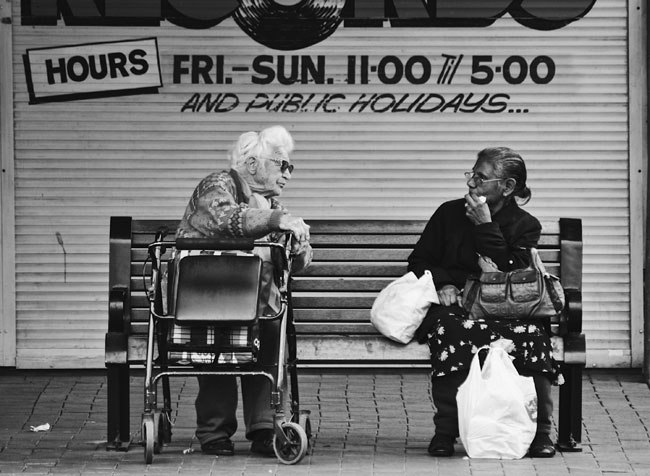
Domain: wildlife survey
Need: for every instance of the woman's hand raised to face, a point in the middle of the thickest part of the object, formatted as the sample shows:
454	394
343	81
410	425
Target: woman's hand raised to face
477	210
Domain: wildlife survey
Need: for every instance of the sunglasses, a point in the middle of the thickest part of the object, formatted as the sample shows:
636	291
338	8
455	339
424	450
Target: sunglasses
284	165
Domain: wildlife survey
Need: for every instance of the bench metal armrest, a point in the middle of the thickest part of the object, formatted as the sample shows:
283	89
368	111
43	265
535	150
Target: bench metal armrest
116	341
573	310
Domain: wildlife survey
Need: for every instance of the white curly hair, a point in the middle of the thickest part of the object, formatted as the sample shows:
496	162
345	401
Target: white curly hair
274	140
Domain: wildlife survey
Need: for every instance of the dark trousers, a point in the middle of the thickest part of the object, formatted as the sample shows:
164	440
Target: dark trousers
444	390
216	402
216	406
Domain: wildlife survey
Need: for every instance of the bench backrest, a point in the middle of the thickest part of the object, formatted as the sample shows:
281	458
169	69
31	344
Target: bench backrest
353	261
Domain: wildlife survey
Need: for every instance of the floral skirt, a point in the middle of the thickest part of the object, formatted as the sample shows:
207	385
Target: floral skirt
455	340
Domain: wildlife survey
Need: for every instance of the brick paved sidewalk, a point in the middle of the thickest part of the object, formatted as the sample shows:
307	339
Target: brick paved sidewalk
363	424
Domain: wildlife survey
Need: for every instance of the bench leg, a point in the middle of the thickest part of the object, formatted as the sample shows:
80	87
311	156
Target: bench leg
119	435
570	409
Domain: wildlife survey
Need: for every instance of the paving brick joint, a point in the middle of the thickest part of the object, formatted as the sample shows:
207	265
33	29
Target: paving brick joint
363	424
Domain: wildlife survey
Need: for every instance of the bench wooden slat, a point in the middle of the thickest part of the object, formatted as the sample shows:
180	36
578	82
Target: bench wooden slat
330	352
401	255
354	268
139	300
140	255
355	254
334	226
378	227
370	241
330	314
360	268
346	328
150	226
334	283
340	284
343	349
406	241
139	315
316	300
547	241
320	254
335	349
391	241
142	240
348	226
138	268
137	285
324	300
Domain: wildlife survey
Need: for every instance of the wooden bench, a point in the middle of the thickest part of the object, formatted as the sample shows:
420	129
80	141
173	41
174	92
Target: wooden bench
353	261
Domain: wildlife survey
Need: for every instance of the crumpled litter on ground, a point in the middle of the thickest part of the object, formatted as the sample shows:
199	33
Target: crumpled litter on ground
43	427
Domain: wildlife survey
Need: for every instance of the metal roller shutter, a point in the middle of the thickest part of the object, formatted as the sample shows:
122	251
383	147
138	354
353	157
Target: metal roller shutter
79	162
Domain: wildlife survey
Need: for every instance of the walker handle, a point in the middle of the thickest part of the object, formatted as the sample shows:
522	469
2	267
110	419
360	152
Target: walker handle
214	243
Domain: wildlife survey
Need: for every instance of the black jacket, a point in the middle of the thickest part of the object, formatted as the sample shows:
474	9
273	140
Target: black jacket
450	244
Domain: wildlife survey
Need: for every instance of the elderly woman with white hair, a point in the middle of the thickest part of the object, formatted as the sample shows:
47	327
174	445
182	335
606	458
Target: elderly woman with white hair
240	202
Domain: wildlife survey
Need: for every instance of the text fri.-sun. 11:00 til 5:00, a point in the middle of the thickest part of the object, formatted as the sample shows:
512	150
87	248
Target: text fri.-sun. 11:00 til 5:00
362	69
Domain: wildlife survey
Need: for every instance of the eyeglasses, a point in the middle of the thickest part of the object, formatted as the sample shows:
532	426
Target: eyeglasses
284	165
479	180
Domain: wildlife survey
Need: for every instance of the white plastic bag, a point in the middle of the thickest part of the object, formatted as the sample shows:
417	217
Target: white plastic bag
400	307
497	409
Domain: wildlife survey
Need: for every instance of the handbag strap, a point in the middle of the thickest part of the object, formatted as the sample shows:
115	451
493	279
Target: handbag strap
552	292
536	261
470	298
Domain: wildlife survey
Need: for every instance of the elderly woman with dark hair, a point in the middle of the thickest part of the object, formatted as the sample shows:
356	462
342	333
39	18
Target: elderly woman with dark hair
489	223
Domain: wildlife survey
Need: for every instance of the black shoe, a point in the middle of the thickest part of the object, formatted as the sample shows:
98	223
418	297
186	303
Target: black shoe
442	445
541	447
220	447
263	443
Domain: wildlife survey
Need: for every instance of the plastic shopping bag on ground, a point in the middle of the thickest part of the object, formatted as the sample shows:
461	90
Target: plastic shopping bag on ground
497	408
400	307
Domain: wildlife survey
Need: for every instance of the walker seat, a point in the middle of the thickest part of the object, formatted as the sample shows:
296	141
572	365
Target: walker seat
216	289
214	304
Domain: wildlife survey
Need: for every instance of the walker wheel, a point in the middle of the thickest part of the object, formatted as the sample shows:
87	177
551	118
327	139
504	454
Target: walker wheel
295	448
148	437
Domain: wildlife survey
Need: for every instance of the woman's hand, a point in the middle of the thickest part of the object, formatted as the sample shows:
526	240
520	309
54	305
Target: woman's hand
297	226
449	295
477	210
298	247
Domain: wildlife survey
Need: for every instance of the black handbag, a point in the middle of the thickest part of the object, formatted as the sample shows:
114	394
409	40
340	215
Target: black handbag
526	293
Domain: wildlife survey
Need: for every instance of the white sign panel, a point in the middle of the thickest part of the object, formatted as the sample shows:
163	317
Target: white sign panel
93	70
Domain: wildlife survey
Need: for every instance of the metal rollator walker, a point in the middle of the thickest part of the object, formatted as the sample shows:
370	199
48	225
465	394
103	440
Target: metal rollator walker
204	320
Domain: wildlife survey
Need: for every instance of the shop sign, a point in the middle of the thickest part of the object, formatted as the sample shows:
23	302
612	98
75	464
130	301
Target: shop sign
297	24
130	67
92	70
